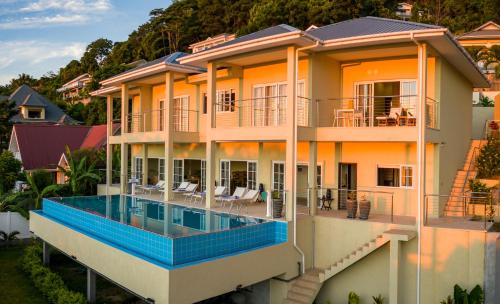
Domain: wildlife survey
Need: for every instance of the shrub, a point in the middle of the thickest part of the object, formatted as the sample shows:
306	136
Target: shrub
10	169
50	284
353	298
488	160
460	296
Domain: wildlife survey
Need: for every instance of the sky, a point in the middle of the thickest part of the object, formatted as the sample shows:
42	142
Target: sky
40	36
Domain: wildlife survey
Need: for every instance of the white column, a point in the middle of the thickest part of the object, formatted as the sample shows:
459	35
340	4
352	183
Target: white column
45	253
109	133
422	94
124	146
394	258
291	144
210	123
169	135
313	182
125	109
145	166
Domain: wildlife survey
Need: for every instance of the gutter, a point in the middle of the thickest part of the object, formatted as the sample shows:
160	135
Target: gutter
295	245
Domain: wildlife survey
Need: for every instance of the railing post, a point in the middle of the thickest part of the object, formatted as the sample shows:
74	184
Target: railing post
392	208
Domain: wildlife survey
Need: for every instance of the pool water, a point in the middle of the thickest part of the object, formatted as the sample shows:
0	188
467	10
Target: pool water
158	217
167	234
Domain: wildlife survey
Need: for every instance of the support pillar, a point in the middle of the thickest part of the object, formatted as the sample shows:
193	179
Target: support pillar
291	135
109	147
91	290
395	257
210	123
210	173
124	168
46	253
169	136
145	166
313	182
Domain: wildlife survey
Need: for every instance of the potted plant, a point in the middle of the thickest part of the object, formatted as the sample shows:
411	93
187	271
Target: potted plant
364	208
277	197
351	205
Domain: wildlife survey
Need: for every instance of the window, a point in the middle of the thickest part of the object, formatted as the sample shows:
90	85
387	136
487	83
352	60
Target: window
269	104
162	114
178	172
225	172
278	176
226	100
138	169
395	176
34	114
205	101
161	169
181	114
252	175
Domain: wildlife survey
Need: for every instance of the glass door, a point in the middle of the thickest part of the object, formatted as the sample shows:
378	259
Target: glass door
225	175
138	169
252	175
203	175
178	172
181	117
347	183
363	103
278	176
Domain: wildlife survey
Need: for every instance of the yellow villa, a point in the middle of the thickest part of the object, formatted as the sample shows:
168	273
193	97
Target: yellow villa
369	112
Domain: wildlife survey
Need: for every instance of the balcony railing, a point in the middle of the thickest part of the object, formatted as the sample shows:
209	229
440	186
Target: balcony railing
374	111
261	112
184	120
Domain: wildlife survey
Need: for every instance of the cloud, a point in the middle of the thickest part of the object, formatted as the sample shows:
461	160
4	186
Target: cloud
34	22
78	6
34	56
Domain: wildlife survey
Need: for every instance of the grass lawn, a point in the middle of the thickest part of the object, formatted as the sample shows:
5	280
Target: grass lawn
16	286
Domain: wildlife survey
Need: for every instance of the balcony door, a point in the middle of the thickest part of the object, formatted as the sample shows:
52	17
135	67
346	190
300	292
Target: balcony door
278	176
347	183
269	104
181	114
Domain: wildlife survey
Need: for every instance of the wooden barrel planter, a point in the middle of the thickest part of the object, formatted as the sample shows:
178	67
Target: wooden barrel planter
364	209
352	208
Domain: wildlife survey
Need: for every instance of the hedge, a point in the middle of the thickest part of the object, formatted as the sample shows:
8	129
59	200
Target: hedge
49	283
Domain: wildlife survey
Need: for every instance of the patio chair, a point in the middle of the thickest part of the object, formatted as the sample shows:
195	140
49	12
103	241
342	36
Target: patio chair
238	193
157	187
219	190
189	191
389	120
249	197
182	187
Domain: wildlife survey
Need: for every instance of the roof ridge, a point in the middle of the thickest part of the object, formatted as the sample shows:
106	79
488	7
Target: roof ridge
401	21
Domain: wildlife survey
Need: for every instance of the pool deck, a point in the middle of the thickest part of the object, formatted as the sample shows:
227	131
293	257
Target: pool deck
258	210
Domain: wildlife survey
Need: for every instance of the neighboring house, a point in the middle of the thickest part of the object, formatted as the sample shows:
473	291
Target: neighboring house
366	109
72	90
211	42
39	147
35	108
94	140
404	10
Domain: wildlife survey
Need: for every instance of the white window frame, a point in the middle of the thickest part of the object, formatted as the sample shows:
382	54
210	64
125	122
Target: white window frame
223	104
255	173
161	171
181	113
203	178
138	173
227	179
400	168
272	174
279	103
177	182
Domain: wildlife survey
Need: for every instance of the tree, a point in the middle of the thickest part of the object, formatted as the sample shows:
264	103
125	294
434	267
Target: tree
10	168
81	173
95	54
7	111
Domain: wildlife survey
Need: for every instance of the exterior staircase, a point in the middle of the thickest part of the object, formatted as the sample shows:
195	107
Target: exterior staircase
455	205
305	288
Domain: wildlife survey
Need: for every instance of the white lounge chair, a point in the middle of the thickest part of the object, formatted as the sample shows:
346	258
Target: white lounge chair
189	191
219	190
182	187
249	197
238	193
157	187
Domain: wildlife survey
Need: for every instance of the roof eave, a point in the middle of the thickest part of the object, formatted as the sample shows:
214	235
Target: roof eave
198	59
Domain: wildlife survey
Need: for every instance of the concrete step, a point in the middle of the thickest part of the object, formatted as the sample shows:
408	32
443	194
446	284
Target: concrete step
299	297
306	284
290	301
303	290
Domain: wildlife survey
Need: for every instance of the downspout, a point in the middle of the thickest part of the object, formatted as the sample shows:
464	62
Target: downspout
294	205
421	158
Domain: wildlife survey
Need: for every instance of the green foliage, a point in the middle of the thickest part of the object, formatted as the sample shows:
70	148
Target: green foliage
460	296
448	300
488	160
485	101
378	299
353	298
10	168
48	282
82	175
8	237
475	185
7	111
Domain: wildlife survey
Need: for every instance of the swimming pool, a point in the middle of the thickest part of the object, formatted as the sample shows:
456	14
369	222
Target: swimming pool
164	233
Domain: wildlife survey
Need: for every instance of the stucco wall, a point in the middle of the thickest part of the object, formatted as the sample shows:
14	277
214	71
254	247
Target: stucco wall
479	117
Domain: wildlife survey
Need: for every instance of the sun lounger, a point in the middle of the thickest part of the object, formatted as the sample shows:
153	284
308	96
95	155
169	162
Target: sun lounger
159	185
249	197
189	191
219	190
238	193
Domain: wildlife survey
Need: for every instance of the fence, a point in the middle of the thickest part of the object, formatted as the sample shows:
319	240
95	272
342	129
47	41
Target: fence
13	221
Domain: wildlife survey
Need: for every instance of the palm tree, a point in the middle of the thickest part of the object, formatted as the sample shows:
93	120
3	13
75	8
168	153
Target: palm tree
80	175
7	237
9	202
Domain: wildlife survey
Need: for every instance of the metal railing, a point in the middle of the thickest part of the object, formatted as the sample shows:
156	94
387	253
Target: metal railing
183	120
382	202
374	111
478	206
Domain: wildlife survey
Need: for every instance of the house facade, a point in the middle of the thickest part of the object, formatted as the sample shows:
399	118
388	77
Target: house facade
72	90
368	109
